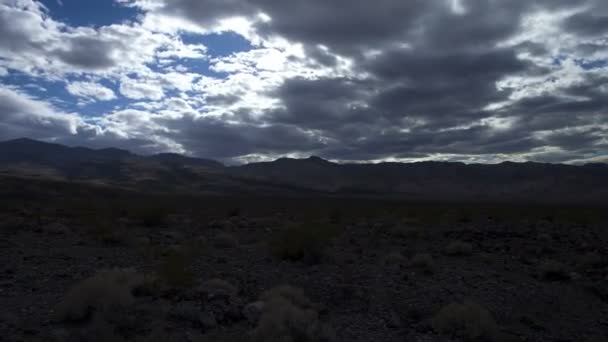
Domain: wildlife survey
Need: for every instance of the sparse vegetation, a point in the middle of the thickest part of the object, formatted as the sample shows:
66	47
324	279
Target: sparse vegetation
175	269
408	232
466	320
395	258
104	293
225	240
423	262
303	241
553	270
217	286
288	316
591	260
459	248
370	278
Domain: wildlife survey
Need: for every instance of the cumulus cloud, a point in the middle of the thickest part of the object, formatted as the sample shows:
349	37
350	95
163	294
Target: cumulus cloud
470	80
141	89
90	90
22	115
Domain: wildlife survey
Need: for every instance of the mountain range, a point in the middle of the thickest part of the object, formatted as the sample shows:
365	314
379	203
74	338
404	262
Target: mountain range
443	181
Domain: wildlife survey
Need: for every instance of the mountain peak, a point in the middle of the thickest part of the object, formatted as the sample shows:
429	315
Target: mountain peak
317	159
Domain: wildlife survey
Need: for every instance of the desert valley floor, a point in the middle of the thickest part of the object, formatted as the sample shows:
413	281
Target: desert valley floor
247	269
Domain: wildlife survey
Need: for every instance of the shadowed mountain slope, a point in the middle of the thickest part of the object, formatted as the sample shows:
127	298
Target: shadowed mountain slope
425	180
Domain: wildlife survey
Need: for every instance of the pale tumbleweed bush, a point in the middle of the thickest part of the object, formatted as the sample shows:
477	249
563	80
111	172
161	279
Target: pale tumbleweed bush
105	292
289	316
466	320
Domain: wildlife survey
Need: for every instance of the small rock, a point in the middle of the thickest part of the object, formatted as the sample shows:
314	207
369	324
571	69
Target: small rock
253	311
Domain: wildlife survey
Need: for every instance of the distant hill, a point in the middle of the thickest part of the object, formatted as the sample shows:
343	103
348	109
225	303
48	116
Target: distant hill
424	180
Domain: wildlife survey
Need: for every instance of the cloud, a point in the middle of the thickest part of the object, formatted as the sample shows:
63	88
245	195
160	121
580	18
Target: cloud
90	90
88	53
141	89
470	80
22	115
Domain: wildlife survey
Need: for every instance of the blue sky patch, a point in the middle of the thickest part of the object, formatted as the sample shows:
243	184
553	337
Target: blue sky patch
592	64
219	44
89	12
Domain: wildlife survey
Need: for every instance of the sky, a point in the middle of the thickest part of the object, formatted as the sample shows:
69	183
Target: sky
475	81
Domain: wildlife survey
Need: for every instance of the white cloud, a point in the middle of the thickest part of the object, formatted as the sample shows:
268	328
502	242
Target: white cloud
23	115
141	89
90	90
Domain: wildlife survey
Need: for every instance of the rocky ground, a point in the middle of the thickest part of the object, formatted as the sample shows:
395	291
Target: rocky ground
180	277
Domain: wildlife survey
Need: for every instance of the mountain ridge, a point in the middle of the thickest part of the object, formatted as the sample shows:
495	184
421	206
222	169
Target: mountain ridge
420	180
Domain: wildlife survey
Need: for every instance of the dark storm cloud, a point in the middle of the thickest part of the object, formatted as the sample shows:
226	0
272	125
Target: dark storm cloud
588	24
215	138
424	75
322	103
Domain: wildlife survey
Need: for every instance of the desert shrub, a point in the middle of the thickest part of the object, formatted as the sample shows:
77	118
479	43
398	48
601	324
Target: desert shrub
302	241
217	286
289	316
395	258
423	262
465	320
459	248
406	232
107	231
234	212
591	260
552	270
104	293
225	240
150	214
175	269
335	216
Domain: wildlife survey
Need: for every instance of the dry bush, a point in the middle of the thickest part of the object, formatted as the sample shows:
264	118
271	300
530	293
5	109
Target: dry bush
150	213
217	286
288	316
591	260
423	262
552	270
406	232
466	320
225	240
395	258
459	248
104	293
303	241
175	269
